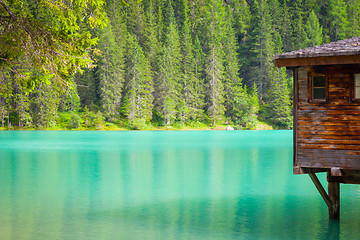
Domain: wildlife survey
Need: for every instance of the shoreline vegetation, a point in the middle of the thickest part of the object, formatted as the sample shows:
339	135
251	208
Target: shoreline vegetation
150	128
88	121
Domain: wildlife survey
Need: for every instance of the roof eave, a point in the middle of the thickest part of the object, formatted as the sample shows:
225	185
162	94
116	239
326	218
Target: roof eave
316	61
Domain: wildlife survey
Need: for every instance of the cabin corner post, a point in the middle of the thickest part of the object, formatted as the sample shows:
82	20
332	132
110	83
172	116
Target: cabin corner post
334	194
295	115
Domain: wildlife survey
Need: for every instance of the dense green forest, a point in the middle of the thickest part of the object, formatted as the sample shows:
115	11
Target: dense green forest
177	63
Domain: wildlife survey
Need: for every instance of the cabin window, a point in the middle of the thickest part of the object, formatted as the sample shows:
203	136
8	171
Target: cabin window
357	86
318	88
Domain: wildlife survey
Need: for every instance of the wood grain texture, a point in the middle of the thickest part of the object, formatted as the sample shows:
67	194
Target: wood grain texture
327	133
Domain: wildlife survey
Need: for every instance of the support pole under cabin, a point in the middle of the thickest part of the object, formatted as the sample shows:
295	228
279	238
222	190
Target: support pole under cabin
334	195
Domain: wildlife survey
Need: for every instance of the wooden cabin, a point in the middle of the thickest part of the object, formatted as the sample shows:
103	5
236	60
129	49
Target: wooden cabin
327	114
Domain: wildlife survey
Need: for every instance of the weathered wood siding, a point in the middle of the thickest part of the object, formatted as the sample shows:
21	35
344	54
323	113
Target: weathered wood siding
328	133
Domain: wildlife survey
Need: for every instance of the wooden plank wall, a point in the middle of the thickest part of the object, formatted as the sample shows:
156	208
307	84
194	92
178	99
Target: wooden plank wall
328	134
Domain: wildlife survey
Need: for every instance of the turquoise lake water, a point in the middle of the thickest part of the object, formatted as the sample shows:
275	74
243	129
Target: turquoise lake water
162	185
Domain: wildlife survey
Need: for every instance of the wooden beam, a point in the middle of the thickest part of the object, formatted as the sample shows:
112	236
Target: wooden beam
313	61
304	170
347	177
321	190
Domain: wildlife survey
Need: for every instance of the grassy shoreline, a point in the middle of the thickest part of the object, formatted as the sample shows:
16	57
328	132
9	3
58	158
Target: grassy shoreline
114	127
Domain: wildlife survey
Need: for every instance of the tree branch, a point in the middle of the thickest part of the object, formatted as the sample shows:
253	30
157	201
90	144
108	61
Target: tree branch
7	9
4	17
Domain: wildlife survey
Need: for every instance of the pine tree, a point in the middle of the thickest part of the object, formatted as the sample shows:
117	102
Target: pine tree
138	99
285	29
313	31
199	95
110	74
278	44
276	15
235	96
166	86
160	21
279	106
6	94
115	10
69	101
135	20
44	104
197	11
152	42
167	82
297	24
261	52
214	63
278	98
190	106
22	107
242	18
250	115
339	22
4	110
311	6
87	89
354	16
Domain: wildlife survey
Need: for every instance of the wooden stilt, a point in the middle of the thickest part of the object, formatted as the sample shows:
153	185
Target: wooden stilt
332	198
334	195
320	188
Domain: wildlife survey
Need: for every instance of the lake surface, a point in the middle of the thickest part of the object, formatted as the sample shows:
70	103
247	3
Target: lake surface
162	185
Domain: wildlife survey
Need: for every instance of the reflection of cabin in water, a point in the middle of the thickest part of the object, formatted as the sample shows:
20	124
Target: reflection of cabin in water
327	114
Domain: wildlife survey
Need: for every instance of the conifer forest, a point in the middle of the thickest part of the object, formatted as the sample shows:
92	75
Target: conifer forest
164	63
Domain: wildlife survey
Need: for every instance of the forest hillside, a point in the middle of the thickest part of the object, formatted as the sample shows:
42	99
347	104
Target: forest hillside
182	63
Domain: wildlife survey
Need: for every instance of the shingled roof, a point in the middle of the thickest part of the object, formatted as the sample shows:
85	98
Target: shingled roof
317	55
